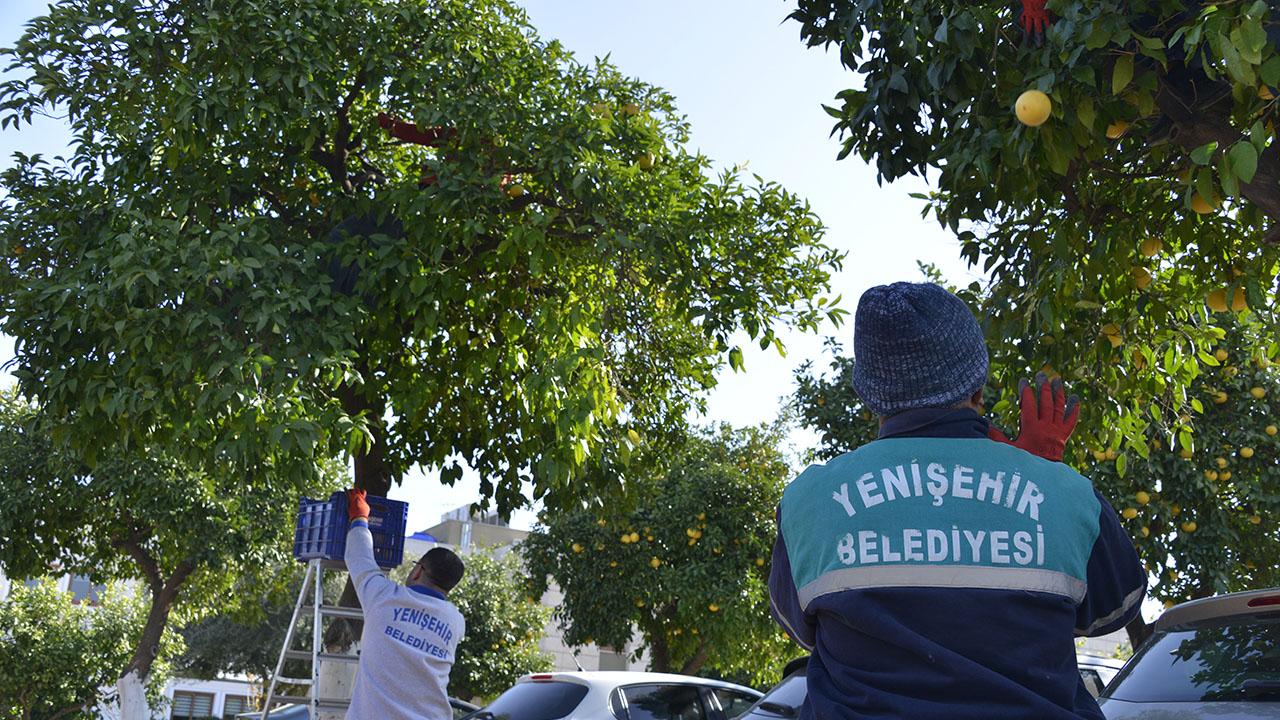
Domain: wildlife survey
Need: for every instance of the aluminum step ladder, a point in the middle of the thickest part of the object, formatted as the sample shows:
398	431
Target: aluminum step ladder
313	580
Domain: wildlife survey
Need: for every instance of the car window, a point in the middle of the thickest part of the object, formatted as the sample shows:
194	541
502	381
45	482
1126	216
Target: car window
1092	681
1235	659
664	702
733	703
787	695
535	701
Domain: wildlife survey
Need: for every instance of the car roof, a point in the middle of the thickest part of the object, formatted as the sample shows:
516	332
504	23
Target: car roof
616	678
1220	606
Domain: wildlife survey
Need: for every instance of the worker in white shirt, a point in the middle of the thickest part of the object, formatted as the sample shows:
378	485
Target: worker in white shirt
411	631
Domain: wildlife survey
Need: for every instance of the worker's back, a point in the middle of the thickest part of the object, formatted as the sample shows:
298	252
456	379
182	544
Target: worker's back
946	577
408	646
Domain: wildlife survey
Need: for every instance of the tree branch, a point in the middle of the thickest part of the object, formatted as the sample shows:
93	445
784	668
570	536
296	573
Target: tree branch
695	663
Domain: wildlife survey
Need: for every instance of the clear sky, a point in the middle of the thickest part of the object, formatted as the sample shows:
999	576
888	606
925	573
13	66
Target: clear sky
753	94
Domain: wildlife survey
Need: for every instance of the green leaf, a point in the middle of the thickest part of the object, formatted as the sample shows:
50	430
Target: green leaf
1121	74
1244	161
1204	154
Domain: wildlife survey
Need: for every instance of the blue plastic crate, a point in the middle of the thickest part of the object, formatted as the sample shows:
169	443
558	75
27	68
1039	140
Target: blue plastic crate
321	531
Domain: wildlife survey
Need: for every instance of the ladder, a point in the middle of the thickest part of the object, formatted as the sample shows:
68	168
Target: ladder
313	580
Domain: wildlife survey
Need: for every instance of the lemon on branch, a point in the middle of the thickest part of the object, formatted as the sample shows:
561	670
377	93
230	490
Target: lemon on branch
1033	108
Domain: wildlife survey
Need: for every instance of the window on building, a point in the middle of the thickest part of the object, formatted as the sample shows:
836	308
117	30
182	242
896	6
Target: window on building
233	705
191	705
83	591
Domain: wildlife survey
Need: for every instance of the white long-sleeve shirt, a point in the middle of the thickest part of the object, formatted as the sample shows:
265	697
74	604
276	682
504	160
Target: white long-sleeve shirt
408	646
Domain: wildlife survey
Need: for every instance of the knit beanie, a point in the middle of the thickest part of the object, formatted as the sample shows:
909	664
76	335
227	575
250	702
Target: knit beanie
916	345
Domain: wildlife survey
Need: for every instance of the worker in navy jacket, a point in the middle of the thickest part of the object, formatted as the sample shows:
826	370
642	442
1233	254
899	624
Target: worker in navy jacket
936	572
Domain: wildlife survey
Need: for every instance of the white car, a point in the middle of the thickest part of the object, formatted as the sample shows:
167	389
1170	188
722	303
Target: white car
1213	658
619	695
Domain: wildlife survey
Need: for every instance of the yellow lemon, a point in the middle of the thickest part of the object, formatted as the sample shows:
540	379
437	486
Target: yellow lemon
1272	430
702	516
646	161
1142	496
1221	355
1033	108
1239	303
1112	454
1117	129
713	607
1255	519
1129	513
1219	397
1151	247
577	548
759	562
634	437
1222	462
1146	531
1217	301
1141	277
1175	510
639	603
626	539
1201	206
1099	455
613	563
1210	475
515	191
1225	475
654	563
1258	392
1186	453
1189	526
1246	452
1110	329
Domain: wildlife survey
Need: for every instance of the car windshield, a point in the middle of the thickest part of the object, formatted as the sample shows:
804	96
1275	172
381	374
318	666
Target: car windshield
786	698
534	701
1233	659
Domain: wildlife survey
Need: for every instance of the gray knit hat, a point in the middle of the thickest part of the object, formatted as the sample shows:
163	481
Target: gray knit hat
915	345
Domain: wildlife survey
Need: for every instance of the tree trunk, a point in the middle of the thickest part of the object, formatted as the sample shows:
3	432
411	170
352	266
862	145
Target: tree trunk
695	663
659	652
132	682
132	690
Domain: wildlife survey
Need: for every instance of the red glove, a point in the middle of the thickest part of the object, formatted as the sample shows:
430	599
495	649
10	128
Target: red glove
357	507
1047	422
1035	18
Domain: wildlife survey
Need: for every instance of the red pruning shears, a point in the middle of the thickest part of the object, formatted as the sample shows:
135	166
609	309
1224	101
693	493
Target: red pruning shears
1035	19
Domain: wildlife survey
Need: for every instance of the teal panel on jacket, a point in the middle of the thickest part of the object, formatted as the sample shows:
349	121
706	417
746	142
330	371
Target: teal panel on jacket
939	512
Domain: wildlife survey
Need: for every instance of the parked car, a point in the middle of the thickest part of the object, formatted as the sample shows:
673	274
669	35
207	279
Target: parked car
1218	657
300	712
1097	671
608	695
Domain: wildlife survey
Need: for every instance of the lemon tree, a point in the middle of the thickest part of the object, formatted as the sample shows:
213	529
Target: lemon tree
1202	510
558	268
685	561
1123	230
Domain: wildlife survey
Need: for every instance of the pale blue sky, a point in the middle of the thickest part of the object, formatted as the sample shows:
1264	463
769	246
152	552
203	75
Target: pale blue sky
753	94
